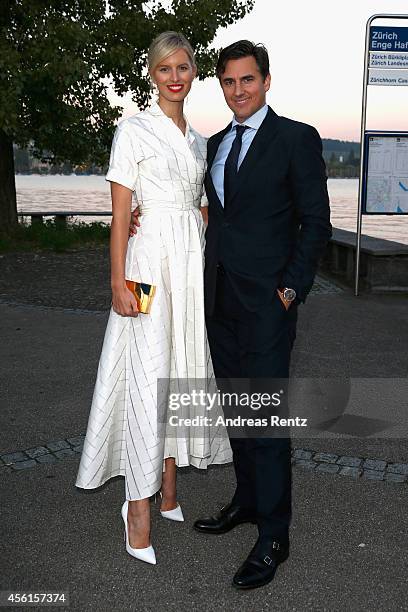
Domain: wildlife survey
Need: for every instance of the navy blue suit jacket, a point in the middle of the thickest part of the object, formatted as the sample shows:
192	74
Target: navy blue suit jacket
277	222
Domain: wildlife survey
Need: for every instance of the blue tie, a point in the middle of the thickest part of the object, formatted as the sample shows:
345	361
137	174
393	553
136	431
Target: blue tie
231	164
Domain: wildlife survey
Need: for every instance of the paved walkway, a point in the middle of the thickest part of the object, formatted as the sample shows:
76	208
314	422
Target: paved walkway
349	536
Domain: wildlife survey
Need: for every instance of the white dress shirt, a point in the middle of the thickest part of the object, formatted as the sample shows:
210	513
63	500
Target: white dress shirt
253	123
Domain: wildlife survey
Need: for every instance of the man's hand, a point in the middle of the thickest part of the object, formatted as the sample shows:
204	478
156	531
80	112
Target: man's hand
286	303
134	222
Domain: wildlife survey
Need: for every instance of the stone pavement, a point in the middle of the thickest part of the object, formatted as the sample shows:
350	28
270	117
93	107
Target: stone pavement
77	279
349	536
348	550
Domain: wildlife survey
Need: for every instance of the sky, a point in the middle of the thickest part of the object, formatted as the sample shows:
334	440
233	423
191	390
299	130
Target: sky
316	52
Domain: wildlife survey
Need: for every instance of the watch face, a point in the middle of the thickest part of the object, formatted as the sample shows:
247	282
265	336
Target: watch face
289	294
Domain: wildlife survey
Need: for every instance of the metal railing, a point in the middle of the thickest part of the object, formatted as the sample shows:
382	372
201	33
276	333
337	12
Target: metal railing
61	216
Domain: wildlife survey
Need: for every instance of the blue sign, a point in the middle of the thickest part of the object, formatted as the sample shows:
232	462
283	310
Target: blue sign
383	38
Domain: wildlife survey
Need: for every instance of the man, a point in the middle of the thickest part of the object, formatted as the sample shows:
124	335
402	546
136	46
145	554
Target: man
269	222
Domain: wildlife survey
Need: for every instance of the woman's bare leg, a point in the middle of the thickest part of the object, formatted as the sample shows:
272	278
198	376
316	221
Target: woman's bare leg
168	488
139	523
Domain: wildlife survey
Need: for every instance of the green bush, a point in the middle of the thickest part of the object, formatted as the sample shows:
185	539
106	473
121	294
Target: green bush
52	236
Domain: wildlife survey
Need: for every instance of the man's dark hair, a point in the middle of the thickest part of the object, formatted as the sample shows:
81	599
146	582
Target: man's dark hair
244	48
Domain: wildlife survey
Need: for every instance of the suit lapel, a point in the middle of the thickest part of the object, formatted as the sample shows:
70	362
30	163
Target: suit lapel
262	139
211	153
214	144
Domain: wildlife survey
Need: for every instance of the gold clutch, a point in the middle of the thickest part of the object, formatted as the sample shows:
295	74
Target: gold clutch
143	293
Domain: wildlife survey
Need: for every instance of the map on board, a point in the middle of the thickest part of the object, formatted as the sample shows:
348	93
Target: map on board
387	175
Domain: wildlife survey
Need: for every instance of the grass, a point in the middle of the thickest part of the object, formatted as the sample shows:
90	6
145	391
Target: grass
51	236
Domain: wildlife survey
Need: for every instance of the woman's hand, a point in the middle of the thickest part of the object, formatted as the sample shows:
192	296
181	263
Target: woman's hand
124	302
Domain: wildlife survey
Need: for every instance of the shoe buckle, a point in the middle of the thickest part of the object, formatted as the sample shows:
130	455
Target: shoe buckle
268	560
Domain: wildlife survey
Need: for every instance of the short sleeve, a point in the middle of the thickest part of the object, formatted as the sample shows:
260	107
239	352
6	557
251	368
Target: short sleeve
204	199
124	157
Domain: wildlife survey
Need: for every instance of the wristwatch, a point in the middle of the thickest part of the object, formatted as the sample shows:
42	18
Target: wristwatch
288	294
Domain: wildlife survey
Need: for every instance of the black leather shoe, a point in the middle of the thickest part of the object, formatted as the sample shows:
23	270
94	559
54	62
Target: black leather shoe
229	517
261	564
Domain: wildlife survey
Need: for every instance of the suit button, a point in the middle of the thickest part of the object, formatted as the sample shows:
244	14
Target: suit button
226	224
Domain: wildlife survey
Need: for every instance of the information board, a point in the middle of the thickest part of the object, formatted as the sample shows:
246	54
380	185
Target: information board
385	181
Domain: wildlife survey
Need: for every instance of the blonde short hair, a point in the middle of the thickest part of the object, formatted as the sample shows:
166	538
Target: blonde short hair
164	45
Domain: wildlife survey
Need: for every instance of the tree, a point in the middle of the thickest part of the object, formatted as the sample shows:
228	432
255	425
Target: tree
21	160
351	158
57	59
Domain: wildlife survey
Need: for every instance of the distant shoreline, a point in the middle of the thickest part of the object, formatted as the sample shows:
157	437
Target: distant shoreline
80	174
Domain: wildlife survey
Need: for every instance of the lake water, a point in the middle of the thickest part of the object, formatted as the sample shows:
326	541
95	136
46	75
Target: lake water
81	193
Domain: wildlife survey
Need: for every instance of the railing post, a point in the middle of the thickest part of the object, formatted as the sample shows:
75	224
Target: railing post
37	219
61	221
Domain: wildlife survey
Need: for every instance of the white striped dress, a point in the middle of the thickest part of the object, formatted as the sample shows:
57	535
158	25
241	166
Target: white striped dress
165	169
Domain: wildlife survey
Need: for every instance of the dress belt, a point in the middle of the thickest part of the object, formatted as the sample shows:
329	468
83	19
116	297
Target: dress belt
159	208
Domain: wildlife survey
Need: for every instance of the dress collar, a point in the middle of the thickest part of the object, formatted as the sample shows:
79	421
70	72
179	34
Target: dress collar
155	110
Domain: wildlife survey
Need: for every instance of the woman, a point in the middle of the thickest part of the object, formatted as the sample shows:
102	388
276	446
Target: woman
159	157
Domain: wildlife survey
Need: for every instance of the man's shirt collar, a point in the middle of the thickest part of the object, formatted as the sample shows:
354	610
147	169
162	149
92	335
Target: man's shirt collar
255	120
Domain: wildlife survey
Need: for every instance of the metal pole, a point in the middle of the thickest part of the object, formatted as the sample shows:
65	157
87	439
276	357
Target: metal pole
362	148
362	139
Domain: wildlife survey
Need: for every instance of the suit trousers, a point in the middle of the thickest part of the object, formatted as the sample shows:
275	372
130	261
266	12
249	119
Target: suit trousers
255	348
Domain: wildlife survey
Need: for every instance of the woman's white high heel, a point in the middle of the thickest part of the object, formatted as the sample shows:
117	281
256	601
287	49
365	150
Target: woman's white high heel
144	554
174	515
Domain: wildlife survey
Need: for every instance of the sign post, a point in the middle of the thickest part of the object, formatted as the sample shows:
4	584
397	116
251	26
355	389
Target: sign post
385	64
